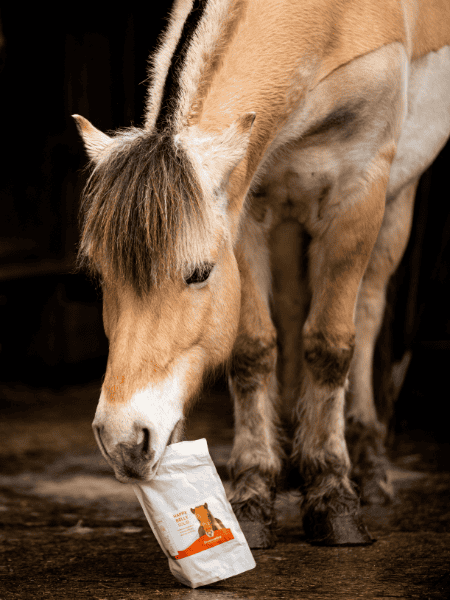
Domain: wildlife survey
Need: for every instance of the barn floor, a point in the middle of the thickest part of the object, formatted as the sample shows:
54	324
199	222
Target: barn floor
69	530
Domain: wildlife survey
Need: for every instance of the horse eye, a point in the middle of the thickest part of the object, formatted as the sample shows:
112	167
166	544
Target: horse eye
200	274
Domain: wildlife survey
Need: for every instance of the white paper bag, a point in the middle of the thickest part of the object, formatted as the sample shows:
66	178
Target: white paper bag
188	511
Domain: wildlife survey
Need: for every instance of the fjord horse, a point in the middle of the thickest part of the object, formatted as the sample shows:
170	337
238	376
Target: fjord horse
208	523
283	142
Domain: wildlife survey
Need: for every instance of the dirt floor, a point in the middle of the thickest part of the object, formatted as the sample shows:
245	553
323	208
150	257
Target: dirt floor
70	530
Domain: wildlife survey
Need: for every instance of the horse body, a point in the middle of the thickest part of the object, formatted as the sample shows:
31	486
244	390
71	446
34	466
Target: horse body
351	103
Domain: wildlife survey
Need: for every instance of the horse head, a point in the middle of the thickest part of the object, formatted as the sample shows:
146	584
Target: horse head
158	231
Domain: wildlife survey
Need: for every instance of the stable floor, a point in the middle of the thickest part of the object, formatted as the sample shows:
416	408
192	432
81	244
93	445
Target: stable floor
69	530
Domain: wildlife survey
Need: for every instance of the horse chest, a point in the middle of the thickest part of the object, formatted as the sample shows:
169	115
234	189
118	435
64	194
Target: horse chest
329	143
301	187
328	147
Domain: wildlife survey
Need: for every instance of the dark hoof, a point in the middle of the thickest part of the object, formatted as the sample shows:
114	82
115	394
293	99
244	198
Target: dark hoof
257	520
325	529
376	489
257	534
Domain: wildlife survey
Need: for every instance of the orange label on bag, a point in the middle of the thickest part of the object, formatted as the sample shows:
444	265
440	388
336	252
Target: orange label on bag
204	542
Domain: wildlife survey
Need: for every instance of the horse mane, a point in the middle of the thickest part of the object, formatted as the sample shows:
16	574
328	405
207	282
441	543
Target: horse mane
190	53
143	214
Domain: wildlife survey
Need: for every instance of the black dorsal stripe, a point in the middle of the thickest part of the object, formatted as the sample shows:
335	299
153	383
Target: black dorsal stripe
172	84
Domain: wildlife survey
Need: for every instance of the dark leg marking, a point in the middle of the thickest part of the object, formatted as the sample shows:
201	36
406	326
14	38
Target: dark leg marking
250	362
329	365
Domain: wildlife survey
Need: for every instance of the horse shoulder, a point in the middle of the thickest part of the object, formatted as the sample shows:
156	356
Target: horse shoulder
427	23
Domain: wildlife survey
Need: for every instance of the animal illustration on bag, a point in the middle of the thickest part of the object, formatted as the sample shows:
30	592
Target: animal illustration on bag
209	523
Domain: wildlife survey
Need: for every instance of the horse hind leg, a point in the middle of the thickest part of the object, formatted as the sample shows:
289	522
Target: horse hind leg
364	432
256	457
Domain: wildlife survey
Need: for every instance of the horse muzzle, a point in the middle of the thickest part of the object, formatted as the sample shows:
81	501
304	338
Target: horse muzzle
132	460
137	457
133	435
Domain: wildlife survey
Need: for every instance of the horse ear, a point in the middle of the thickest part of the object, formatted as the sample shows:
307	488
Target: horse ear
232	145
218	154
94	140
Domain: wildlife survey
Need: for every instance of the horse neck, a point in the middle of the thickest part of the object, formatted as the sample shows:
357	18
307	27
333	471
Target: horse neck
277	51
264	56
265	68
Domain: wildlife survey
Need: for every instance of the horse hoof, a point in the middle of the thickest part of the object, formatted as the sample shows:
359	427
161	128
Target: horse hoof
258	535
257	520
376	490
325	529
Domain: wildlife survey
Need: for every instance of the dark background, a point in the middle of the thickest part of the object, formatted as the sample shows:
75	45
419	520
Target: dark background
93	62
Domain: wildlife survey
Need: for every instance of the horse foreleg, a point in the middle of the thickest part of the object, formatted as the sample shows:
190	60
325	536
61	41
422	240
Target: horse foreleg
365	434
256	458
339	253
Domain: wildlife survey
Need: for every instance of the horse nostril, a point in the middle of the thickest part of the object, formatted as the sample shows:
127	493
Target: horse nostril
140	449
129	458
145	444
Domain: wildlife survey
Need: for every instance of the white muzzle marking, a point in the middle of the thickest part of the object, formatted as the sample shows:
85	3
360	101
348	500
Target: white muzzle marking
132	436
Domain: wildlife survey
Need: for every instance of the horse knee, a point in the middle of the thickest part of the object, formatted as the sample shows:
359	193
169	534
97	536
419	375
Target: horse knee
253	361
328	362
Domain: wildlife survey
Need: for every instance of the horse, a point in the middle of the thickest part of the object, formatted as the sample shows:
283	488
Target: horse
252	223
208	523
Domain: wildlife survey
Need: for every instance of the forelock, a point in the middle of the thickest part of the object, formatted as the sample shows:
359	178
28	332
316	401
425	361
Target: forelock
144	216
